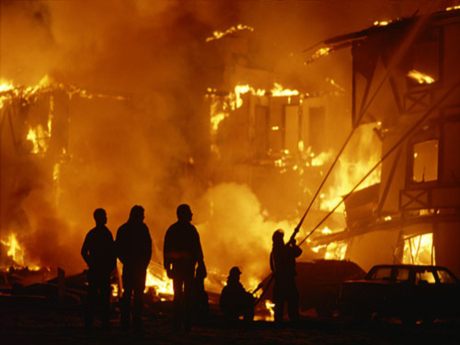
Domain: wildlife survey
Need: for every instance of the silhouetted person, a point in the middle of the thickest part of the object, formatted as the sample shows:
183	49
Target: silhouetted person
134	249
282	264
182	253
98	251
235	301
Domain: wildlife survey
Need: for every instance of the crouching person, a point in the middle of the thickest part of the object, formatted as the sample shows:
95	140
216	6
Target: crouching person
235	301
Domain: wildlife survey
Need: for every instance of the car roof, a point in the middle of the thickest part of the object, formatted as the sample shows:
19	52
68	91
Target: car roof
410	266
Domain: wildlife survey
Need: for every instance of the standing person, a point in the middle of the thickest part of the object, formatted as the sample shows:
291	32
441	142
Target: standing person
98	251
282	264
134	249
182	253
235	301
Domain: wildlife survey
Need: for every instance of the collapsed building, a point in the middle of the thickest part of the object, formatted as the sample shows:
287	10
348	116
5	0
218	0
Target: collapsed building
405	81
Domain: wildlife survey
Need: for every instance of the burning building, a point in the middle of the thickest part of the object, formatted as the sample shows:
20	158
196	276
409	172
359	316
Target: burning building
406	83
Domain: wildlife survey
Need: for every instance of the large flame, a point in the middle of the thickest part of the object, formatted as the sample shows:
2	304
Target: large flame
420	77
14	249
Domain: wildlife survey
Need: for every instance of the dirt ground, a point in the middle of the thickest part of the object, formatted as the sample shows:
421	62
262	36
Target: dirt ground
23	325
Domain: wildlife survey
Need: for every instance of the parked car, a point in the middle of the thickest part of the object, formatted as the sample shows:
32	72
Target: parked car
407	292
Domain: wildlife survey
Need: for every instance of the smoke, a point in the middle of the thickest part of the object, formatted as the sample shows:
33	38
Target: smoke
152	148
235	232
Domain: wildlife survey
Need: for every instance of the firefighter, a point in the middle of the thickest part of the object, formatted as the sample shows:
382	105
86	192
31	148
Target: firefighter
98	251
134	249
235	301
182	254
282	264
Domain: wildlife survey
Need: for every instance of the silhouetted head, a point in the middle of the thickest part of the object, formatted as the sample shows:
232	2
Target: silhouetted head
278	237
136	214
100	216
184	213
234	272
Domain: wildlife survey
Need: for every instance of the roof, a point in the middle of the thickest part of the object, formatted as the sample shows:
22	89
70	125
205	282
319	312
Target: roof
345	40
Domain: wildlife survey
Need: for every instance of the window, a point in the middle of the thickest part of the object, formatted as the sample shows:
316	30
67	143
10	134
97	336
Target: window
382	273
424	277
419	250
291	126
317	119
261	131
445	277
402	274
425	161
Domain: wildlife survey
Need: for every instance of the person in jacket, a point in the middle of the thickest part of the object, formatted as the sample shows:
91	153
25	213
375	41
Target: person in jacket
98	251
134	250
182	255
235	301
282	264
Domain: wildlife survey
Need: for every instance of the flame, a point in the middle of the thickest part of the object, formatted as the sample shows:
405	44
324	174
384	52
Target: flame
420	77
324	51
321	158
221	106
353	165
453	8
15	251
279	91
162	285
336	250
216	119
382	22
216	35
38	137
418	250
6	85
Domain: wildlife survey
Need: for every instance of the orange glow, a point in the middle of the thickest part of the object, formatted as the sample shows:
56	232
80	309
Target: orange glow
324	51
353	166
420	77
418	250
162	285
279	91
453	8
216	35
14	249
336	251
38	137
382	22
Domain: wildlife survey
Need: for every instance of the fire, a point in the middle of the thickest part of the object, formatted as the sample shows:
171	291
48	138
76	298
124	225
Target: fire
221	106
38	137
321	159
15	251
382	22
453	8
216	35
324	51
162	285
420	77
279	91
353	165
336	250
418	250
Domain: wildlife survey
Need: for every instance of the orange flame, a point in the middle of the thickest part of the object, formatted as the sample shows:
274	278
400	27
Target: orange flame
216	35
420	77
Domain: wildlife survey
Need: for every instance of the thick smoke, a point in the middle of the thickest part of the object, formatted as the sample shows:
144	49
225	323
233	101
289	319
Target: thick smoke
151	149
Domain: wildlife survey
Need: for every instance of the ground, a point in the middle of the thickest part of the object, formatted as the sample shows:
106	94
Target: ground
24	325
